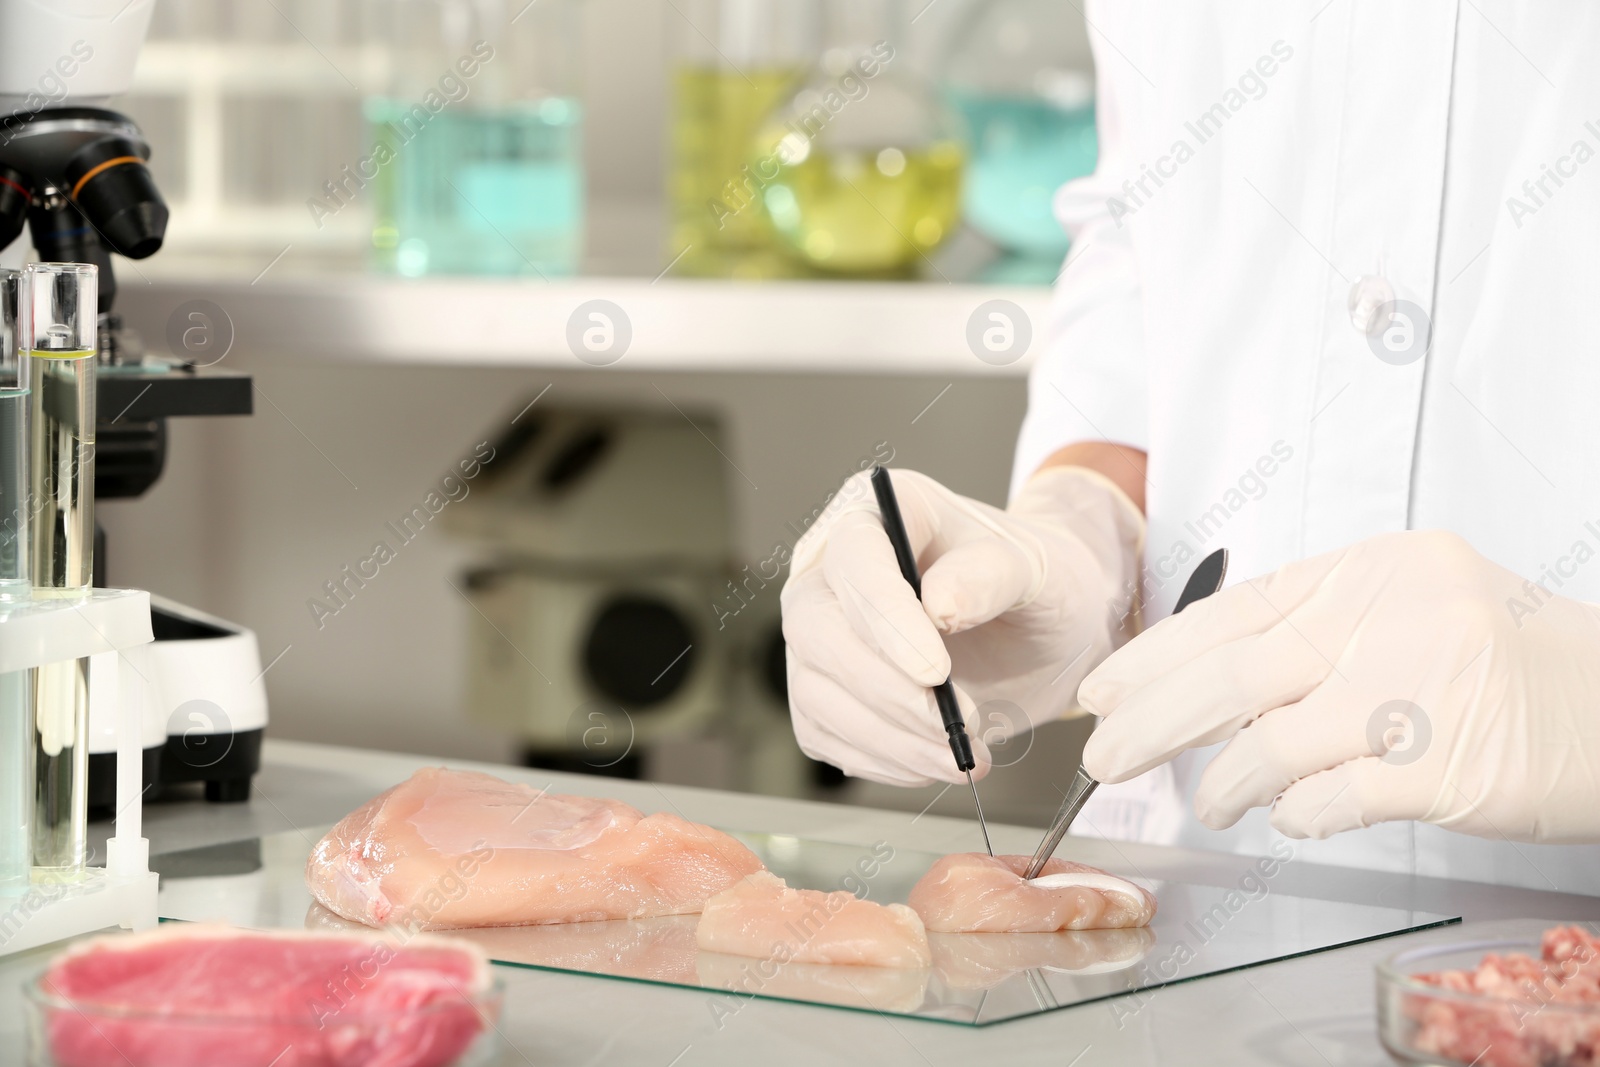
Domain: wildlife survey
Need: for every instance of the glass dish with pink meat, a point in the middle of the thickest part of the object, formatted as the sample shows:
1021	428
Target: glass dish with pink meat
1494	1003
453	1031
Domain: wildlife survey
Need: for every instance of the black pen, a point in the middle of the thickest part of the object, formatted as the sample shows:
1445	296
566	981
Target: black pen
944	694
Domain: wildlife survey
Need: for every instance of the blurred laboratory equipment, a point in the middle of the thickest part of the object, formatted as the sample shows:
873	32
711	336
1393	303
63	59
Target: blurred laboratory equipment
204	709
478	156
208	674
732	62
767	756
606	533
1020	74
865	161
77	180
49	635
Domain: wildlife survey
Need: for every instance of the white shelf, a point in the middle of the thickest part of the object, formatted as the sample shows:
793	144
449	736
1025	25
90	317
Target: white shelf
677	325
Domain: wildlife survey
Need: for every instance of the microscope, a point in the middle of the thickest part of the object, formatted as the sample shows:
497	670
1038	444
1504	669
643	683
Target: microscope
74	177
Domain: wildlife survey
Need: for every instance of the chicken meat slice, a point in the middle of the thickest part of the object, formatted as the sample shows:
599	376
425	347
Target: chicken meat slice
971	892
451	849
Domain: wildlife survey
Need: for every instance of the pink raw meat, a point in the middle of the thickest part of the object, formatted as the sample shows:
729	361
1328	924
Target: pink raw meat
974	893
449	849
1536	1025
764	918
204	996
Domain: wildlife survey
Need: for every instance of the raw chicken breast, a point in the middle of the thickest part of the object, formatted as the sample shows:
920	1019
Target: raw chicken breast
762	917
448	849
974	893
204	996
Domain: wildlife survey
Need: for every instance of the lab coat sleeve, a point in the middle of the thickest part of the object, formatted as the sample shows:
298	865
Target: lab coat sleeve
1089	382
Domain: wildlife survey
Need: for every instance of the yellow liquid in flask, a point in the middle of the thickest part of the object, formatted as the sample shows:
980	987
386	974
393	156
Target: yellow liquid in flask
872	211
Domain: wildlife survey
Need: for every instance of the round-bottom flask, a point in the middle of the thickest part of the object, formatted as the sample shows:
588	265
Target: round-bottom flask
861	169
1021	76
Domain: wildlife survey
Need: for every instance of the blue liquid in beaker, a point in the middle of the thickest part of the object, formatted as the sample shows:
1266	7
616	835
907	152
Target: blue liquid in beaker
1023	150
480	191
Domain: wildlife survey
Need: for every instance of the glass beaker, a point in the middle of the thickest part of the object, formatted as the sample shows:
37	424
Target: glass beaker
733	62
865	163
477	158
1021	75
57	328
16	687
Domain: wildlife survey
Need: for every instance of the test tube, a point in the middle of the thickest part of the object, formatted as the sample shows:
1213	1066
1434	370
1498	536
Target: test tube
58	326
58	329
15	583
16	688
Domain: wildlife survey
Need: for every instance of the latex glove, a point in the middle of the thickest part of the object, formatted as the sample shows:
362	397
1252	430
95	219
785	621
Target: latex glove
1298	672
1016	605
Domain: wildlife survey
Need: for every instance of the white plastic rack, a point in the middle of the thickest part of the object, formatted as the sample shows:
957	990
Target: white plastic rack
102	626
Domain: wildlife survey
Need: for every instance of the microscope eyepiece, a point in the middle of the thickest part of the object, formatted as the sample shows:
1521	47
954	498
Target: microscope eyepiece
110	183
14	201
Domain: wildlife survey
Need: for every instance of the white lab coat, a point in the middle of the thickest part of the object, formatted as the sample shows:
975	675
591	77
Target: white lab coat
1446	152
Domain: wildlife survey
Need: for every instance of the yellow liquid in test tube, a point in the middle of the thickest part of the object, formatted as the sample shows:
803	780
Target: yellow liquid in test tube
63	411
63	471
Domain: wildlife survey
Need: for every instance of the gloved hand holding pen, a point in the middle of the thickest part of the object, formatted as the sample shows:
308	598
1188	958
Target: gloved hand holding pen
1017	604
1404	677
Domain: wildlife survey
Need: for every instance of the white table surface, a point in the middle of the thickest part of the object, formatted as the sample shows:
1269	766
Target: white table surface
1313	1010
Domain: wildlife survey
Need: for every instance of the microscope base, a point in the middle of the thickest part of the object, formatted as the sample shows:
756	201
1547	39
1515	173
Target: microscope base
227	776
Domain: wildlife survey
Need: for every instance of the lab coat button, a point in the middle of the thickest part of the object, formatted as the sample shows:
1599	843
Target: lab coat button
1368	297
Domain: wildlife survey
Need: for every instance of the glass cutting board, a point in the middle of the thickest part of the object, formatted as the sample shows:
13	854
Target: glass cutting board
976	979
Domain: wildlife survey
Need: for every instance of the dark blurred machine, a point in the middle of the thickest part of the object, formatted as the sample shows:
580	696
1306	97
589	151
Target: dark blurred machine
607	535
73	176
770	760
605	622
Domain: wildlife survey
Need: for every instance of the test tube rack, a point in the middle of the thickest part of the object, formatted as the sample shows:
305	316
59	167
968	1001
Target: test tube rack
104	625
